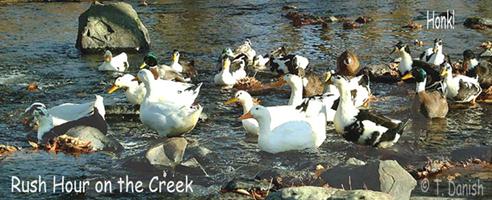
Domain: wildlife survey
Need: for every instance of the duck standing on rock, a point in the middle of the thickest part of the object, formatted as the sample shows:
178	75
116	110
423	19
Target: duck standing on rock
361	126
167	118
434	55
299	134
430	104
117	63
459	88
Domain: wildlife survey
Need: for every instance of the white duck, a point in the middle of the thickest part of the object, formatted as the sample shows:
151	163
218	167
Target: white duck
241	72
434	55
312	104
224	77
164	71
280	114
134	91
459	88
359	87
360	126
168	119
303	133
69	111
245	49
117	63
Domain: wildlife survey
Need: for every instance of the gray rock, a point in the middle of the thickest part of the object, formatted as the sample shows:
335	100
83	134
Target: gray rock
385	176
382	73
191	167
114	26
168	153
354	161
99	141
314	193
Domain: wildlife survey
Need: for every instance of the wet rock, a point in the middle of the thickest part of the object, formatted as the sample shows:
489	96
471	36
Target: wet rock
191	167
355	161
386	176
289	7
478	22
114	26
6	149
364	20
286	178
98	141
168	153
310	192
238	189
382	73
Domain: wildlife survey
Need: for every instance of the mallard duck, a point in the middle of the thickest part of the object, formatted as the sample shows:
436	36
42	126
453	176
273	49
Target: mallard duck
407	64
134	91
316	104
434	55
183	67
168	119
117	63
361	126
299	134
47	130
459	88
481	68
348	64
69	111
165	72
224	77
431	104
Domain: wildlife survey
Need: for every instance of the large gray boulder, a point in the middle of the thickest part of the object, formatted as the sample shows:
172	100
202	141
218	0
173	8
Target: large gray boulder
114	26
315	193
99	141
385	176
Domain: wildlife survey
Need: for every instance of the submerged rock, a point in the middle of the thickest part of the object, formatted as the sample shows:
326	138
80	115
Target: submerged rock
168	153
310	192
478	22
382	73
386	176
98	141
114	26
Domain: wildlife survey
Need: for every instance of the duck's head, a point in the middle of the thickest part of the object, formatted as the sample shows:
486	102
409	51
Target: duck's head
437	45
241	96
175	56
341	82
468	55
279	52
149	60
44	120
122	82
227	52
108	56
145	76
401	47
348	64
417	73
294	81
34	106
247	42
446	69
258	112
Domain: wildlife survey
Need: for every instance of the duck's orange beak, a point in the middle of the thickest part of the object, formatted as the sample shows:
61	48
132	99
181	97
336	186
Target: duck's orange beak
113	89
246	116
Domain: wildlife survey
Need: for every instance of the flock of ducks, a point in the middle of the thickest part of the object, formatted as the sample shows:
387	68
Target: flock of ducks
167	98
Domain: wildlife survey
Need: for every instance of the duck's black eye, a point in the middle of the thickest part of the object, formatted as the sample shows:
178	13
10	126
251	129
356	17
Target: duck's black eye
256	108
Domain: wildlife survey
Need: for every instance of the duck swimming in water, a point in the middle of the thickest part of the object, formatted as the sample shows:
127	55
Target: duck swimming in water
117	63
434	55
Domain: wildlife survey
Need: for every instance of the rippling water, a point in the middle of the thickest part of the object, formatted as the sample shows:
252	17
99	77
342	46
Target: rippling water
37	45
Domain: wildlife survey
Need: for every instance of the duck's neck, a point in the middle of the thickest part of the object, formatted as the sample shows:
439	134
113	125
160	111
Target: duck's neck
405	63
346	102
45	125
296	95
421	86
150	88
247	105
264	124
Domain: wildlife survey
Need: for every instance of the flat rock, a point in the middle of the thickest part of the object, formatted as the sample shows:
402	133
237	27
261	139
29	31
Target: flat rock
99	141
114	26
168	153
385	176
314	193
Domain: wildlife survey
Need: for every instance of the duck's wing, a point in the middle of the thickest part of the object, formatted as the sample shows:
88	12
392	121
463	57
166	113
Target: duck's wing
189	68
71	111
433	104
376	118
293	135
468	90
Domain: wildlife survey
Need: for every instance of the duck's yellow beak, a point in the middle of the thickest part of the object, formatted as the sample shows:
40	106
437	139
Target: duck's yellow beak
231	101
328	77
444	72
113	89
407	76
248	115
143	65
174	57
